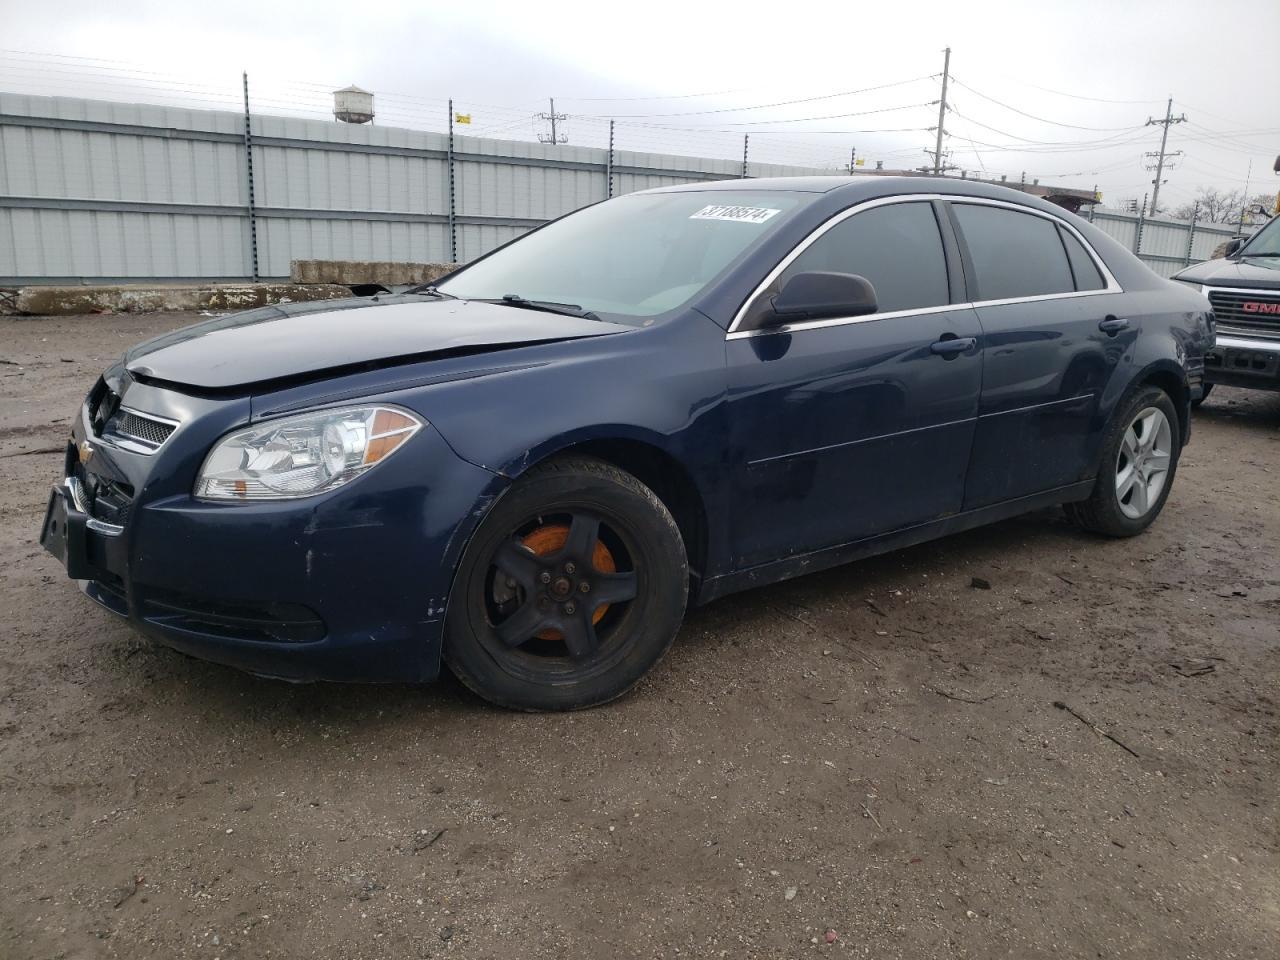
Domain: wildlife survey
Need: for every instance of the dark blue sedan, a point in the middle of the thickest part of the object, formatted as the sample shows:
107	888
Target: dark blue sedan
533	468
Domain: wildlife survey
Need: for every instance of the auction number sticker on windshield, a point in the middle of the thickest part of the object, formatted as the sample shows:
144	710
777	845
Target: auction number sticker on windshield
714	211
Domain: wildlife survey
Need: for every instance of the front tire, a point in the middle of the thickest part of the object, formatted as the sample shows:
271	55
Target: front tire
1139	460
571	590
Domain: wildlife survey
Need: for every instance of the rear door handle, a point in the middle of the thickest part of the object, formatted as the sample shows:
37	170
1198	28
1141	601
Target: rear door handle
953	346
1112	325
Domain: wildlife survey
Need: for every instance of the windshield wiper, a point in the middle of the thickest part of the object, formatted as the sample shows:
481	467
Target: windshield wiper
1267	254
430	290
546	306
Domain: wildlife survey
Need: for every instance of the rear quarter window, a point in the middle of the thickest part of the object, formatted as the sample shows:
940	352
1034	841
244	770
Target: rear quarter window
1083	268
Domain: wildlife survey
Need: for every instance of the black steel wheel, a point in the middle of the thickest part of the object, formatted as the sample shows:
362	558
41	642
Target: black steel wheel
571	590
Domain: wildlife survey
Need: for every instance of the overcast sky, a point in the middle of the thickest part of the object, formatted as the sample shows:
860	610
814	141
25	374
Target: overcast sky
1060	90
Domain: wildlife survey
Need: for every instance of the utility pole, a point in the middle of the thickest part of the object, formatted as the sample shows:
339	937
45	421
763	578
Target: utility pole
556	138
1168	121
942	113
1245	202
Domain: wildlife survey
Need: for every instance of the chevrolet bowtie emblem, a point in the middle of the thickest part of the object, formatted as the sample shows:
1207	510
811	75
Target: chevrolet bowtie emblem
85	450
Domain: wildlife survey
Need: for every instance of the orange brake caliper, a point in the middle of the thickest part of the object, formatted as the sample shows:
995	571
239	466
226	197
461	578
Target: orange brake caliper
547	540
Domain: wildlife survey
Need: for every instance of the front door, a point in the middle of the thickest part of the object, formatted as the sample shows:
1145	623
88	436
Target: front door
844	429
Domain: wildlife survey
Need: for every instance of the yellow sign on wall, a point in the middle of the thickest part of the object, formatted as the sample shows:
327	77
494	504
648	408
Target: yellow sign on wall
462	118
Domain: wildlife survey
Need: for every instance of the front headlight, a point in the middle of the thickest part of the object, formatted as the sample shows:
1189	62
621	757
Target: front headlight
303	455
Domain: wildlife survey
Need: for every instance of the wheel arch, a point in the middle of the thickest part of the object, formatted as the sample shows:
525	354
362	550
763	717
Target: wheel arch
1172	379
659	470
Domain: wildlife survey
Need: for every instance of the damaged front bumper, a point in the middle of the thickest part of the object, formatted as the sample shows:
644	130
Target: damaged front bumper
351	585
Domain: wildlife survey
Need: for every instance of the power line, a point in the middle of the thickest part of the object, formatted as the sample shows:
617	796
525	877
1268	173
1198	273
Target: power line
1033	144
1077	96
674	96
764	106
1032	116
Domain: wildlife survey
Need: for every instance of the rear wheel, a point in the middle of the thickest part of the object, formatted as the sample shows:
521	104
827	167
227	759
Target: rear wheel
571	590
1140	457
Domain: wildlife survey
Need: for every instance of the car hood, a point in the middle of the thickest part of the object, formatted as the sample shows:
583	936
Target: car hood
308	340
1246	272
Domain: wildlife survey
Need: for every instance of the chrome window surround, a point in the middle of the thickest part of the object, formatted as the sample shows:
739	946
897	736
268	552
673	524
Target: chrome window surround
125	442
1112	285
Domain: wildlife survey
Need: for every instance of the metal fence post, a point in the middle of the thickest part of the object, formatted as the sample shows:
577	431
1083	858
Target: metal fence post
453	203
1093	206
248	169
745	139
1191	232
608	166
1142	222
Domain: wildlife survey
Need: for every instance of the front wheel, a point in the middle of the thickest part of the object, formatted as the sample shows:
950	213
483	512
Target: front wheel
1205	390
571	590
1140	457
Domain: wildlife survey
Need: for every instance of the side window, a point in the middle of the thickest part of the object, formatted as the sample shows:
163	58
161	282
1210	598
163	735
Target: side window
897	247
1013	254
1082	265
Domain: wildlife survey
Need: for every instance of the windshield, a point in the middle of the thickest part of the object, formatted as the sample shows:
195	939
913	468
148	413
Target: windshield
635	256
1265	243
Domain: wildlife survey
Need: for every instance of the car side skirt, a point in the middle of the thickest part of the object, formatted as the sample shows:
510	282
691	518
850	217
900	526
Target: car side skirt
785	569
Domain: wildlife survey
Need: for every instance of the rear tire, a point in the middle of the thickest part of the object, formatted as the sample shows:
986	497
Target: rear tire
1139	459
571	590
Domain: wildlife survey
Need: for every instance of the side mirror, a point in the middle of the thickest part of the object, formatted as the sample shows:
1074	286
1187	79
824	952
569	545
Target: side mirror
817	296
1232	245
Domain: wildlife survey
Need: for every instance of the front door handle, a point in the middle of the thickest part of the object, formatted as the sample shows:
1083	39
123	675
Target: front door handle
1112	325
953	346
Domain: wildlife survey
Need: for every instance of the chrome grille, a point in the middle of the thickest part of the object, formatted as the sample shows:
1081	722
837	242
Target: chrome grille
1247	311
147	432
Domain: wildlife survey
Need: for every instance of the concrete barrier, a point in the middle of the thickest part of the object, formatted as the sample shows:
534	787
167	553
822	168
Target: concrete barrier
62	301
355	273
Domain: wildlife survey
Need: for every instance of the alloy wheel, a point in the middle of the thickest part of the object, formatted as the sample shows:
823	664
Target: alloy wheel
1142	465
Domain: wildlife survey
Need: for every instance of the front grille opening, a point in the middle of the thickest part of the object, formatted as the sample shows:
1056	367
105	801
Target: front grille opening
1257	313
271	622
140	428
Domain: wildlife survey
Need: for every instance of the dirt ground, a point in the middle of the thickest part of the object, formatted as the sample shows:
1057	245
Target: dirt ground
873	751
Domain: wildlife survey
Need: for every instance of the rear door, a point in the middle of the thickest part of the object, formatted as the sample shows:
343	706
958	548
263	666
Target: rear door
846	428
1054	336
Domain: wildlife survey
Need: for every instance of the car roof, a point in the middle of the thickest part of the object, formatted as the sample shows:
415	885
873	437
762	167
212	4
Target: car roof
867	187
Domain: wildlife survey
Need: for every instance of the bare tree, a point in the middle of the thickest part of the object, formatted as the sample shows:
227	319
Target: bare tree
1223	206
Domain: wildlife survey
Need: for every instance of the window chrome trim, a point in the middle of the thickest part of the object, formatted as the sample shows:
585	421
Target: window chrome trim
734	333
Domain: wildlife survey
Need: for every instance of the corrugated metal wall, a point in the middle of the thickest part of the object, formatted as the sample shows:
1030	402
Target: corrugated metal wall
1164	242
96	190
